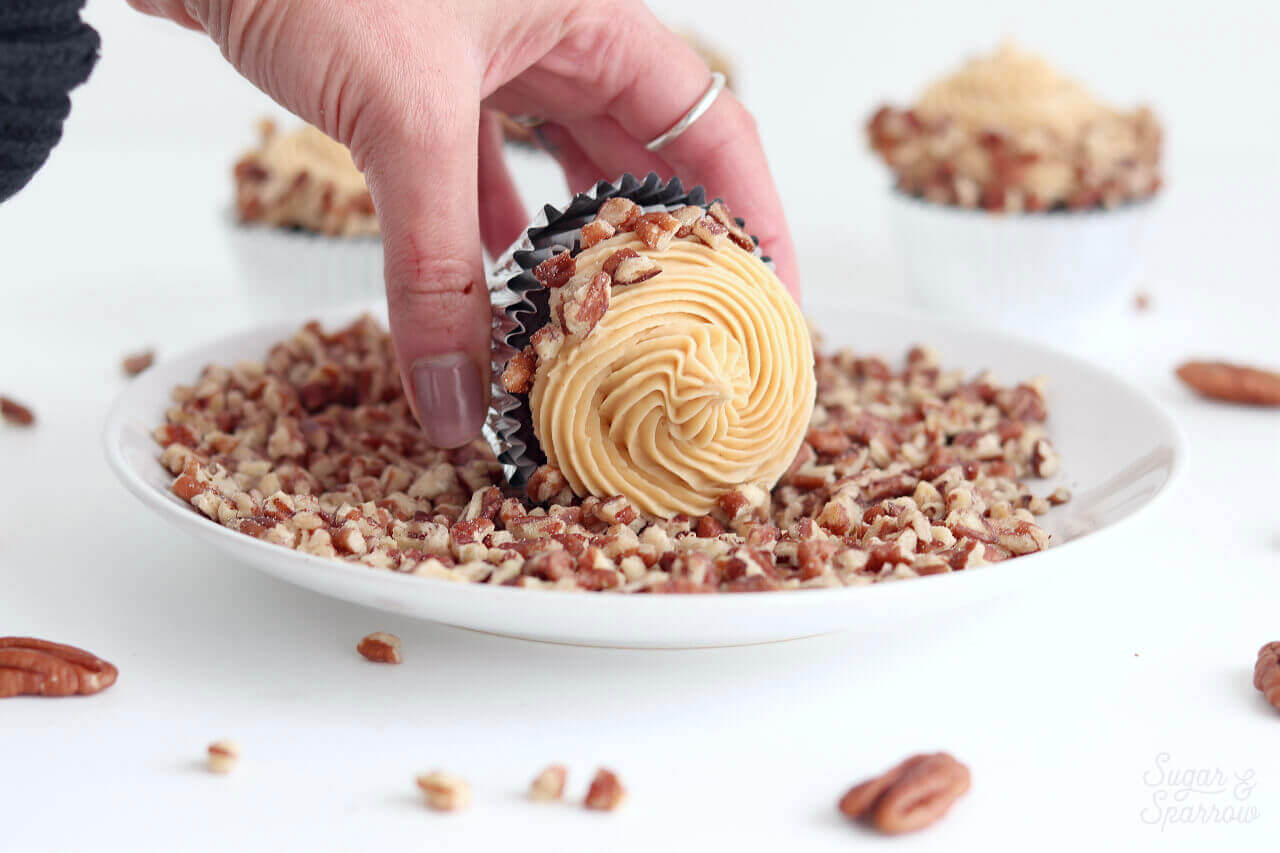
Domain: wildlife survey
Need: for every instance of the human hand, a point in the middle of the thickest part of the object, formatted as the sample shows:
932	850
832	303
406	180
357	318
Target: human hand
410	86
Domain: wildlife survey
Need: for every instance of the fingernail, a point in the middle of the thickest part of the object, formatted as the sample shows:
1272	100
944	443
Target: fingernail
450	398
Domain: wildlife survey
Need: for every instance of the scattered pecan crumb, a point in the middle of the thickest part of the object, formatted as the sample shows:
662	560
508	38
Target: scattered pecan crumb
31	667
1232	383
445	792
606	792
223	756
1266	673
909	797
1141	301
380	647
549	784
15	413
137	362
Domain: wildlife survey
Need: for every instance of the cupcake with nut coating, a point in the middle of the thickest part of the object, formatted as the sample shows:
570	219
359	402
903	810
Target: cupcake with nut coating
650	352
1007	132
1019	198
306	230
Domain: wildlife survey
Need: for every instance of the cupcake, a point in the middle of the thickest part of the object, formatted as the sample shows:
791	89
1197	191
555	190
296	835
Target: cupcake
646	349
306	231
1008	134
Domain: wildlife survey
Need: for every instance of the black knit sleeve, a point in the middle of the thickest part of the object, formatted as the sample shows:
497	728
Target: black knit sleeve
45	52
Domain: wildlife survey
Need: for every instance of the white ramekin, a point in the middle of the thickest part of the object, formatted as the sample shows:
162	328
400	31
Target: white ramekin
1037	272
287	270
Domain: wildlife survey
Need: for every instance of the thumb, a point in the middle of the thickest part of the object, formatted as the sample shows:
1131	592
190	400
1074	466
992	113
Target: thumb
424	188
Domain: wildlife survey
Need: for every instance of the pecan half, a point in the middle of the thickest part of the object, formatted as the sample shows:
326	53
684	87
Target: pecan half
1266	673
1232	383
11	411
380	647
909	797
40	668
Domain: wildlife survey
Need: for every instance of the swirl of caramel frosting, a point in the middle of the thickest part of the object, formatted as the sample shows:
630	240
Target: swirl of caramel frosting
1012	90
696	382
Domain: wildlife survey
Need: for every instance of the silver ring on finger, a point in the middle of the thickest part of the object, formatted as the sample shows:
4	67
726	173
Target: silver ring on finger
695	112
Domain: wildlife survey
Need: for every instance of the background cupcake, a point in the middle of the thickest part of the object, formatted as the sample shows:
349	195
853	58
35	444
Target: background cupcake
306	233
1007	134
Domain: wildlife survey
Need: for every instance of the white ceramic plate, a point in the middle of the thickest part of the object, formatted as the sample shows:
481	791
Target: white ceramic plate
1114	466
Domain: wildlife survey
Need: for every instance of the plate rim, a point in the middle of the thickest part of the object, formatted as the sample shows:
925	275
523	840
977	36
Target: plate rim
187	518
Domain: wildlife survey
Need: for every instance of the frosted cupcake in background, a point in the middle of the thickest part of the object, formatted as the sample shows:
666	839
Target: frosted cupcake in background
1007	133
306	232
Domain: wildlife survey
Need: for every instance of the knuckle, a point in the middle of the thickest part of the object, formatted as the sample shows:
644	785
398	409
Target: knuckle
415	279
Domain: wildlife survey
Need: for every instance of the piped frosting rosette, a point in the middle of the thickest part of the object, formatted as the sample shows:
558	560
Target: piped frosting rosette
646	349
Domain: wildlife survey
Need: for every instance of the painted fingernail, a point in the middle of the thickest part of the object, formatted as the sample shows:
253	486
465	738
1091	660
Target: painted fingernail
450	398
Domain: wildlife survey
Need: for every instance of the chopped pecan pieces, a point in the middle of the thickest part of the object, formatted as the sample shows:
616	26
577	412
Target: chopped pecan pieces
549	784
610	265
223	756
635	270
380	647
585	307
517	376
556	270
656	230
903	474
34	667
596	231
710	232
909	797
687	216
445	792
137	362
720	213
1232	383
13	412
621	213
606	792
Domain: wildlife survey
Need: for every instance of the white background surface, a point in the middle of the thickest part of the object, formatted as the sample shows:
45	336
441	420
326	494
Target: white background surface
1060	698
